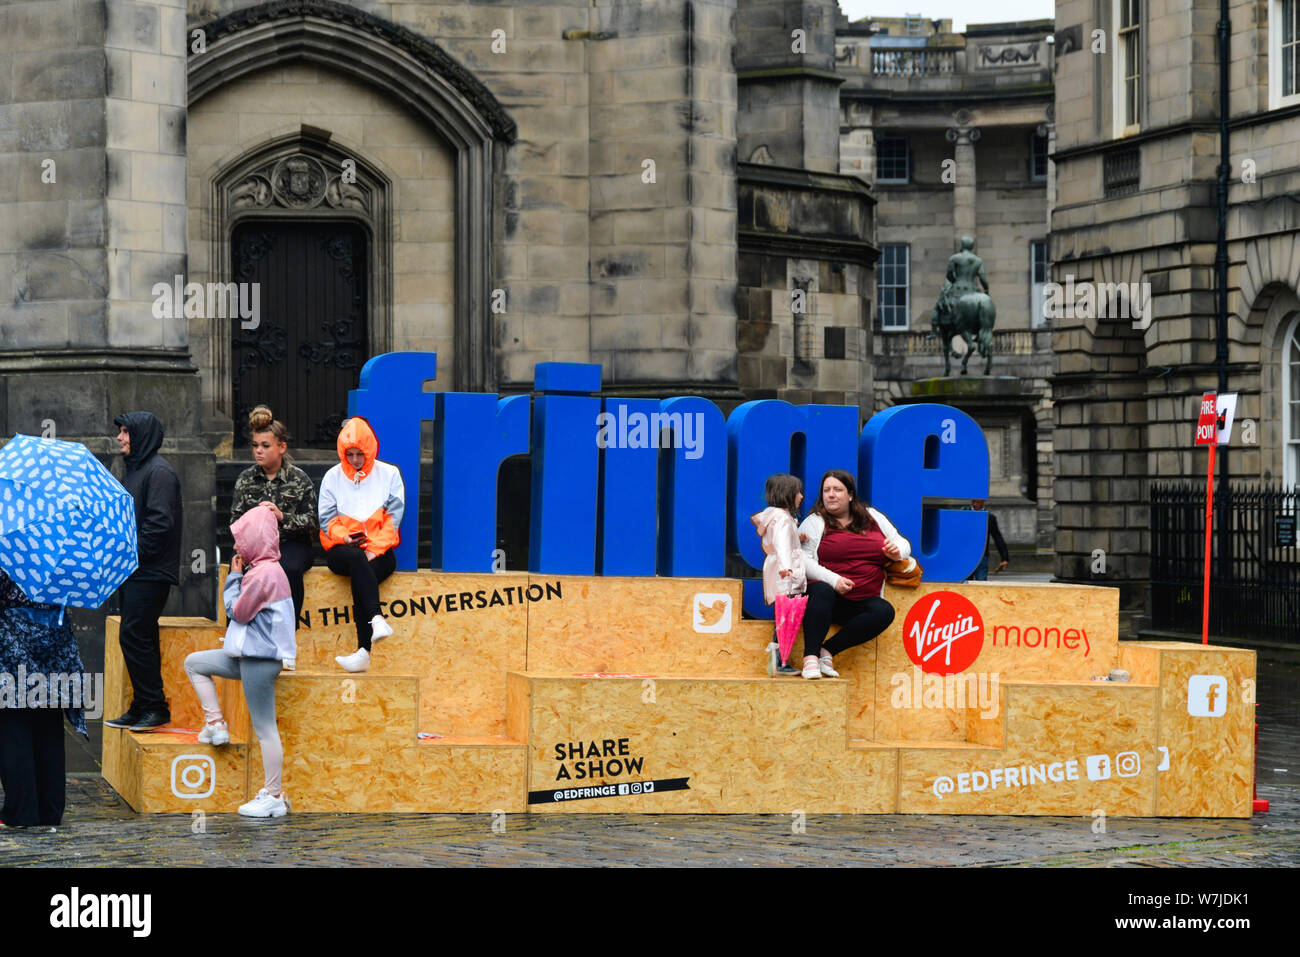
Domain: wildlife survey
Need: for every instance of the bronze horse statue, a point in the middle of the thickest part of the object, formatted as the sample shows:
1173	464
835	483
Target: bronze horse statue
971	316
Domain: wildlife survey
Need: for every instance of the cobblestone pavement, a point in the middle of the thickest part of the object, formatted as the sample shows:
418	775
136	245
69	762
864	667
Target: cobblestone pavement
100	829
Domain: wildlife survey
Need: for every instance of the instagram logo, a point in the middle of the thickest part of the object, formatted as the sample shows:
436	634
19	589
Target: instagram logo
1127	764
193	776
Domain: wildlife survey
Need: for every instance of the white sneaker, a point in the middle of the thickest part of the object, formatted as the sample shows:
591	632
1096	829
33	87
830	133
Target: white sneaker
215	734
826	669
379	629
811	671
358	661
264	805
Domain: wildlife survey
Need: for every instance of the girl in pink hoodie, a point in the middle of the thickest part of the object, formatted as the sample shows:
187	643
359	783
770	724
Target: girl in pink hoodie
783	569
259	643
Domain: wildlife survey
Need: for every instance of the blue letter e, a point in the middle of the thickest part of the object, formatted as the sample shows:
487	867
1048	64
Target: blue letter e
913	452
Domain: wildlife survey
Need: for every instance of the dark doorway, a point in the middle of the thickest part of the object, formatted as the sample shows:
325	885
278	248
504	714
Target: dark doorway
312	337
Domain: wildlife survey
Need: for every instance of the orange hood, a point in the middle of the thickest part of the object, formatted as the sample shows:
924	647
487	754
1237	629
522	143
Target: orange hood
357	434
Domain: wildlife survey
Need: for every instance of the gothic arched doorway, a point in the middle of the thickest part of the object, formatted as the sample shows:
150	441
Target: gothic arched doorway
312	337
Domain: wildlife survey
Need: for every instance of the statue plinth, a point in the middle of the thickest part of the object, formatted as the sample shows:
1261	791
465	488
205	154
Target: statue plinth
968	387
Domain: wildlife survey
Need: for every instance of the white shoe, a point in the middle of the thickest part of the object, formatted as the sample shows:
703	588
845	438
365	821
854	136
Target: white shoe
811	671
379	629
772	650
264	805
215	734
356	662
826	669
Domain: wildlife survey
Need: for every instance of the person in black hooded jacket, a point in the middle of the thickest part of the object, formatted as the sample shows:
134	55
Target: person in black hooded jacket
154	485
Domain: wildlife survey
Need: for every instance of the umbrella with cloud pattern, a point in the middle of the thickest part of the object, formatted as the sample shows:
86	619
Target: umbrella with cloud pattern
67	527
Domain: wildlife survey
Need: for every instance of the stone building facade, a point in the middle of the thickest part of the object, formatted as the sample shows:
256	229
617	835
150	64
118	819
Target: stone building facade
1137	154
952	132
654	186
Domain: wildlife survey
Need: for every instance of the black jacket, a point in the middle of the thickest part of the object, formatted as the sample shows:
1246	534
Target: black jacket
156	488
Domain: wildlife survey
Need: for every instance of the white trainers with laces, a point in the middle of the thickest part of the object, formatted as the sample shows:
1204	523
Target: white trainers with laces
265	805
356	662
215	734
379	628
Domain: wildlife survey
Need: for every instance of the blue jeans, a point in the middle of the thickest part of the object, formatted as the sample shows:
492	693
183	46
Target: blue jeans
982	570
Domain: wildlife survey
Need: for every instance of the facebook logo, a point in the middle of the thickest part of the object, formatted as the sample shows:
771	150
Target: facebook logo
1207	696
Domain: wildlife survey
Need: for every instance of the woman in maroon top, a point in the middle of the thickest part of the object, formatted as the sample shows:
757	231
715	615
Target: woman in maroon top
846	546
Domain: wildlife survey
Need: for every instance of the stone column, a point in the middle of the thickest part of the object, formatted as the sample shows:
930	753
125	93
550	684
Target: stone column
663	195
964	139
92	190
788	87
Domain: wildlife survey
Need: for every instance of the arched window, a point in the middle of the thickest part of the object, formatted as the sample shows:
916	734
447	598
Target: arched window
1291	404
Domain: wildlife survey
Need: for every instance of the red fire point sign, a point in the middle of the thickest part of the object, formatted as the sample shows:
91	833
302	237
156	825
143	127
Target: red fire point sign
1206	426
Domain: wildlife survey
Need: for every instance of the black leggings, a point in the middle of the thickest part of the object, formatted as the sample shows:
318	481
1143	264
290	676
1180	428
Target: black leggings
366	575
295	558
31	766
859	621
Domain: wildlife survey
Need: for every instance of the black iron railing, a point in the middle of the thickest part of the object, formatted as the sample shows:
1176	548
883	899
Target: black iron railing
1255	570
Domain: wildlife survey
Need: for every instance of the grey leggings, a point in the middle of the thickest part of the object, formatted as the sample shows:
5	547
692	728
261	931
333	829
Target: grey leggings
258	676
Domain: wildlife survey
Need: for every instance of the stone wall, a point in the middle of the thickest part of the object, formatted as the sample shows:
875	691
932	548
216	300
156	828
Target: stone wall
1126	396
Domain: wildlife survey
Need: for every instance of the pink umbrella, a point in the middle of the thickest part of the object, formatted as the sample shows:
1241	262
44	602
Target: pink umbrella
789	616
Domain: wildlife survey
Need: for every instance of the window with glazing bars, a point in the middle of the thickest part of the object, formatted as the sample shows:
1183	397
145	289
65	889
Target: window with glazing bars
1130	43
891	159
891	286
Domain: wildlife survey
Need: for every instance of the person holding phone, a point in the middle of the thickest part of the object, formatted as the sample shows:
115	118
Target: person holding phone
361	504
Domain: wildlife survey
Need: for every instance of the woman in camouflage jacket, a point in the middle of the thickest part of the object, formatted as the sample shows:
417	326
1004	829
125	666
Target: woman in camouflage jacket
287	491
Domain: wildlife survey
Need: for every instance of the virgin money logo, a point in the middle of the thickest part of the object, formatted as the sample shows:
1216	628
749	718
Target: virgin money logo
943	633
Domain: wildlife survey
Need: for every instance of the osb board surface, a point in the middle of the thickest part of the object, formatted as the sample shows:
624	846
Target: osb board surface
618	624
1211	757
176	773
744	745
340	716
416	779
1009	612
177	638
461	655
1060	731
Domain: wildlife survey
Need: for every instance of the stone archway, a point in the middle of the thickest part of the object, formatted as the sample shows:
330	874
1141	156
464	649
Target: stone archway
420	75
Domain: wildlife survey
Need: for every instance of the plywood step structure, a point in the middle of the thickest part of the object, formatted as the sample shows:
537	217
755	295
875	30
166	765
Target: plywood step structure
519	692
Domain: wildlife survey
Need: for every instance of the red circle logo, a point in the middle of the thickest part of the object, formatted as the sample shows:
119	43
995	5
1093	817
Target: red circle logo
943	633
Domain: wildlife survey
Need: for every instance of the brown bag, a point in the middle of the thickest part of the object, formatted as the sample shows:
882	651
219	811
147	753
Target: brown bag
906	573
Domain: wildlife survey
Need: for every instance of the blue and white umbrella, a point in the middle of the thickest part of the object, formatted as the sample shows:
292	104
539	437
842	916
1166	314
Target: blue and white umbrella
67	527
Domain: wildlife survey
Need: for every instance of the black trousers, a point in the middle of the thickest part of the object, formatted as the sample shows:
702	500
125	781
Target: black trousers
295	558
366	575
142	603
859	621
31	766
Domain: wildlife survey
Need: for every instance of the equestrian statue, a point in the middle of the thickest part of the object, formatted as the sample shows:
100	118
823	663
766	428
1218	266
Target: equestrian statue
962	309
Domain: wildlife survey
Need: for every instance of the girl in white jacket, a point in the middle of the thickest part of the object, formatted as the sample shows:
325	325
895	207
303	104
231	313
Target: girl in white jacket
783	569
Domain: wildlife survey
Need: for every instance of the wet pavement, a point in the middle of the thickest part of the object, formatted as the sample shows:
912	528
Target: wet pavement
100	829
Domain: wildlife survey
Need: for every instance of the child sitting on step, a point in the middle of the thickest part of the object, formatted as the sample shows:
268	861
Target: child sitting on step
783	569
259	642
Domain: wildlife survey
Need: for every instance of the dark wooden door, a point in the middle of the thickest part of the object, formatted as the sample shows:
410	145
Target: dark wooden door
311	340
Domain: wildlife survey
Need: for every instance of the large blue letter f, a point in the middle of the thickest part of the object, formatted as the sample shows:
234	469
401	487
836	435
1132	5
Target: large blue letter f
392	398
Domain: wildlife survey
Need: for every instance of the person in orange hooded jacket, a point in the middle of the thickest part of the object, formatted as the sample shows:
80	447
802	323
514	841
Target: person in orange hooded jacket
361	504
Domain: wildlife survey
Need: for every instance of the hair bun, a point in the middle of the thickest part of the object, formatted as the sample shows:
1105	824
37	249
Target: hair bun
260	419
